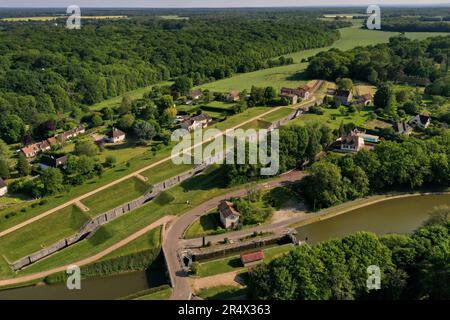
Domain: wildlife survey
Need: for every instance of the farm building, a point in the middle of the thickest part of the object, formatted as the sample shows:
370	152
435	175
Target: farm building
343	97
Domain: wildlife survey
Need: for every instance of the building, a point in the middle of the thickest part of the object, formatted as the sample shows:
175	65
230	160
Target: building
48	161
196	94
292	98
229	217
32	150
303	92
368	138
72	133
233	96
422	120
363	100
3	188
200	121
403	128
115	136
252	258
351	143
343	97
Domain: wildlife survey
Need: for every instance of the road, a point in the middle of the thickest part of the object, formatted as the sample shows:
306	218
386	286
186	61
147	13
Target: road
174	235
96	257
119	180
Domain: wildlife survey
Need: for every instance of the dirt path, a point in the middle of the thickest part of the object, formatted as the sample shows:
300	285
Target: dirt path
98	256
128	176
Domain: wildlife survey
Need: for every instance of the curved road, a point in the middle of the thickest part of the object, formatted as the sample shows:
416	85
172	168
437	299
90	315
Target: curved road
173	239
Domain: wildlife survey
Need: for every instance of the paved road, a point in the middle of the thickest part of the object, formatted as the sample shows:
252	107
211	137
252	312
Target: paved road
98	256
115	182
174	235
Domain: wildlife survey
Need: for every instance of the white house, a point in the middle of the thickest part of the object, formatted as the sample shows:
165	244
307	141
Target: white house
3	188
115	136
200	121
228	215
352	143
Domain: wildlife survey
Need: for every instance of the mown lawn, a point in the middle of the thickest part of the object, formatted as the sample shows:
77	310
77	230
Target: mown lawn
110	198
277	115
205	225
165	171
333	118
42	233
234	263
221	292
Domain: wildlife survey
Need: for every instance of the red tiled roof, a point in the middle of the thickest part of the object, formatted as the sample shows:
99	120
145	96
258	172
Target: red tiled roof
226	208
252	257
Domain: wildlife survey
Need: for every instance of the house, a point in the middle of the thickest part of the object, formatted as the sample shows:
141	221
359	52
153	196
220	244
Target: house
403	128
3	188
32	150
228	215
115	136
304	91
292	98
351	143
422	120
252	258
196	94
200	121
53	141
233	96
48	161
363	100
343	97
72	133
368	138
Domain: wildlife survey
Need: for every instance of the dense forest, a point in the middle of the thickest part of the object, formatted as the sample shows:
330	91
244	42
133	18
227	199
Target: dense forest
402	60
412	267
47	70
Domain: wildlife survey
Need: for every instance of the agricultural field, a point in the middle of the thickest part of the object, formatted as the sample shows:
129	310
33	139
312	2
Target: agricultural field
234	263
292	75
110	198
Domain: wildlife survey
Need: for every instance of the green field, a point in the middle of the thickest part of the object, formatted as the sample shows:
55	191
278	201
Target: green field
234	263
277	115
113	197
292	75
148	241
133	94
221	292
205	225
165	171
333	118
42	233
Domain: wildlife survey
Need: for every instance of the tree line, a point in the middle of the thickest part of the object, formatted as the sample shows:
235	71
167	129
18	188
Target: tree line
412	267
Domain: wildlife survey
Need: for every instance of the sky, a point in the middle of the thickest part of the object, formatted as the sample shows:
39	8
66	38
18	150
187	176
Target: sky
210	3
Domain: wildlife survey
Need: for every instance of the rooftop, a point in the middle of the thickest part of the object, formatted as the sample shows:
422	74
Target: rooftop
252	257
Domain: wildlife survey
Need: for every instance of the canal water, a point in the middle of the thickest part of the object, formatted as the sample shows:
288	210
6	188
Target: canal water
401	215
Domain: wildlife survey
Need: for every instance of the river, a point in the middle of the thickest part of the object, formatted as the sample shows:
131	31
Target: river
401	215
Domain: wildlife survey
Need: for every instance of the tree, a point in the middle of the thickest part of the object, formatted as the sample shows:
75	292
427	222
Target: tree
344	84
87	148
23	166
110	161
195	267
126	121
12	128
144	130
383	95
438	215
96	120
125	105
183	85
4	169
52	181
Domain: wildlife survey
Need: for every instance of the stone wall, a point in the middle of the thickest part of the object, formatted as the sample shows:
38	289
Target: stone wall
92	225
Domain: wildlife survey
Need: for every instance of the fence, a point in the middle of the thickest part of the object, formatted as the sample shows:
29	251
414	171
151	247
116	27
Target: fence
90	227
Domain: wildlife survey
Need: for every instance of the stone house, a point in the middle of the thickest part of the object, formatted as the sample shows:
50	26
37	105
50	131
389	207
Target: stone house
229	217
252	258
